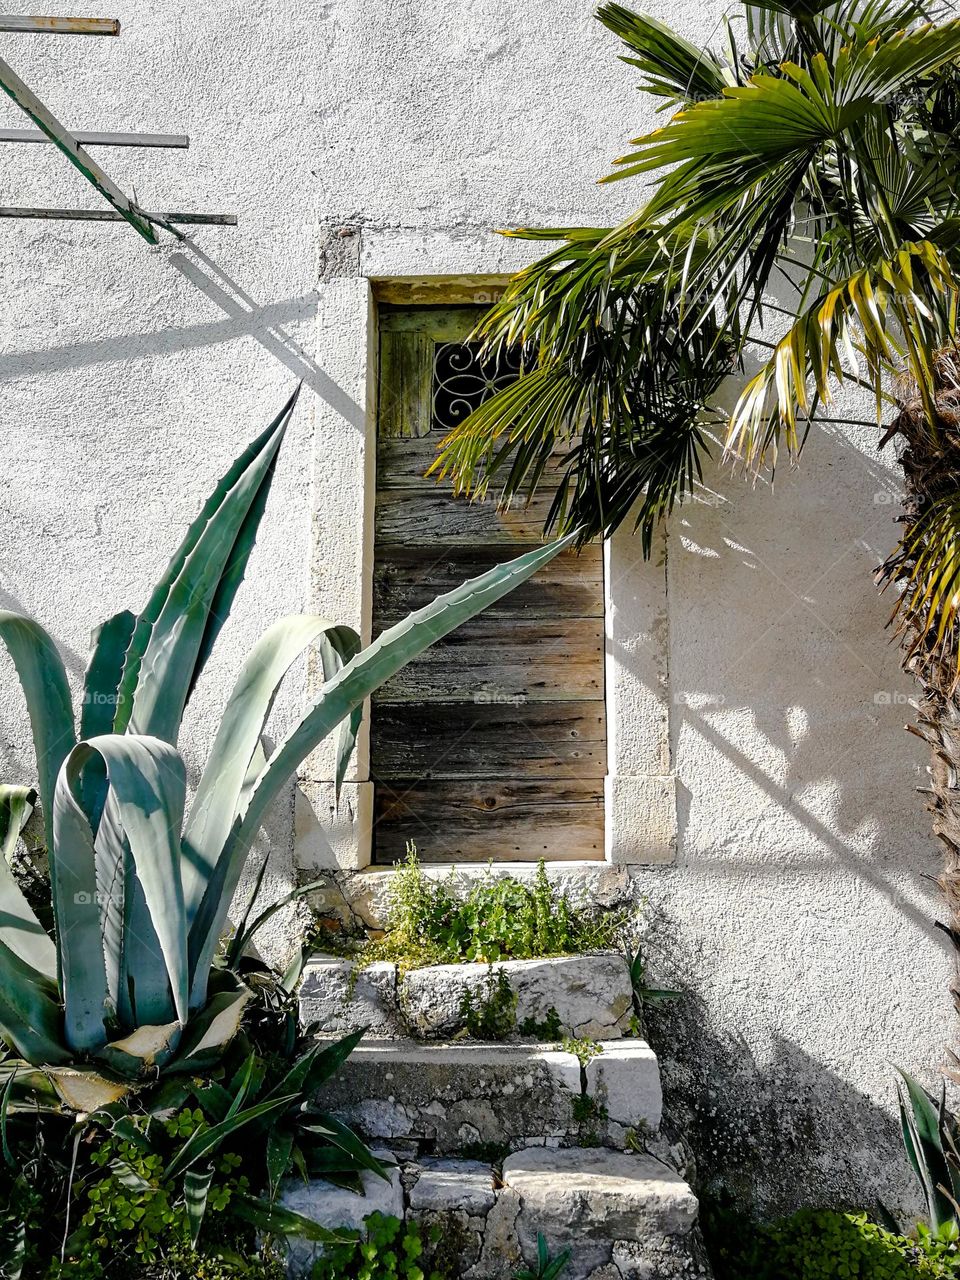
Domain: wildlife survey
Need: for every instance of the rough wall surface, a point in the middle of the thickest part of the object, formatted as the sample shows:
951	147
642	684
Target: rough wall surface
752	660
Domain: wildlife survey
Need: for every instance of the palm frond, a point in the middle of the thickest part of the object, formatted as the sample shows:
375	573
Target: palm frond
675	69
889	302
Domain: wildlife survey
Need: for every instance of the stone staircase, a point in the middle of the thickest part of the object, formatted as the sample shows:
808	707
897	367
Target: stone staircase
496	1142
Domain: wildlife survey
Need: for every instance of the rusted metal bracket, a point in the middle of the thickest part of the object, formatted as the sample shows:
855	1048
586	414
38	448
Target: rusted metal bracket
72	145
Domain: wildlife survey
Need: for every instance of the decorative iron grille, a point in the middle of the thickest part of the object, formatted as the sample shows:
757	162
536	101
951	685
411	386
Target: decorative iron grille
464	376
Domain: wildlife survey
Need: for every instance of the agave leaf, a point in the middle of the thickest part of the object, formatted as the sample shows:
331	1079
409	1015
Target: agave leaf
20	930
322	1161
147	1048
73	889
45	688
339	698
175	632
249	1077
279	1149
128	1176
30	1018
337	648
196	1186
205	1140
294	970
4	1112
213	1099
220	793
108	648
273	1219
246	932
86	1091
13	1252
31	1089
317	1065
344	1139
210	1031
16	806
921	1127
146	783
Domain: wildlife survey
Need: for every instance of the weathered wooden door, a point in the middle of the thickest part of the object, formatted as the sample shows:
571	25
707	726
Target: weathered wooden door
493	743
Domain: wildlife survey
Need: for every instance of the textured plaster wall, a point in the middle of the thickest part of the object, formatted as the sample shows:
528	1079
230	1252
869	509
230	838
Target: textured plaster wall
757	752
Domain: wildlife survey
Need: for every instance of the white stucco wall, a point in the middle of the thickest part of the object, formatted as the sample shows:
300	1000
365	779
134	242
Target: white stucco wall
748	670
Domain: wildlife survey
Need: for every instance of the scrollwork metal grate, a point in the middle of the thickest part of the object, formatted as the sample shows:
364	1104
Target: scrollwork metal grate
464	376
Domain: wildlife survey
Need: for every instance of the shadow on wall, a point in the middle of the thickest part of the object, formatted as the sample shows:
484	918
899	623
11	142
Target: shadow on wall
244	316
779	1135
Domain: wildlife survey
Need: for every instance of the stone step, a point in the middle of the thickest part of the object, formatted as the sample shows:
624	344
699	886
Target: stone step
623	1216
575	995
448	1098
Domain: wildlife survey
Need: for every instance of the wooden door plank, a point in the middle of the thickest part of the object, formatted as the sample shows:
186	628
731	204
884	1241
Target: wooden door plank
438	324
408	578
489	740
405	388
403	464
533	661
412	517
467	821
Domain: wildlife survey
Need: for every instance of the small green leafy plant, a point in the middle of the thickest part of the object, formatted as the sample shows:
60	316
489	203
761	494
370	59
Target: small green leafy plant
641	994
430	921
547	1267
386	1249
820	1244
490	1013
582	1048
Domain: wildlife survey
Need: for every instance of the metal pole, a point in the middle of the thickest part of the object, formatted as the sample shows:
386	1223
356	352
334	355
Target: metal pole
109	215
62	26
41	116
179	141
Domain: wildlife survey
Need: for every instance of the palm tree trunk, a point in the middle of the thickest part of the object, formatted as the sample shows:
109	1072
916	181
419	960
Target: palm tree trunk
930	459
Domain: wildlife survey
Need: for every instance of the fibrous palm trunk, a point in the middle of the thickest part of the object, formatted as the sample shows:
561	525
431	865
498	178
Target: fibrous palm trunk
930	459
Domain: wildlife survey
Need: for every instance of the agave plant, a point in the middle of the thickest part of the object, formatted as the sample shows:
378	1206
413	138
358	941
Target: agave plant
932	1140
141	884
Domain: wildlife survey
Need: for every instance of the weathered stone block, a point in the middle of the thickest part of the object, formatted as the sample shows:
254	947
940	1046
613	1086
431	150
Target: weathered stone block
586	995
341	997
500	1250
454	1184
671	1258
625	1078
599	1195
455	1096
333	1206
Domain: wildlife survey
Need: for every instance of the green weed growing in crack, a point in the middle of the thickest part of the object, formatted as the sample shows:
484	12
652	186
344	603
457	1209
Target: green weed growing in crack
491	1013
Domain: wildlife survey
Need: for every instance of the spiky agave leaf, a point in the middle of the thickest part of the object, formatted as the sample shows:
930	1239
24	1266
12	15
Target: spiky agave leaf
142	814
339	698
187	609
47	694
921	1124
20	930
222	791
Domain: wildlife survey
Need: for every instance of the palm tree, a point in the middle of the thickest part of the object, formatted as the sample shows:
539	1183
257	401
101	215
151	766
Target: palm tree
816	159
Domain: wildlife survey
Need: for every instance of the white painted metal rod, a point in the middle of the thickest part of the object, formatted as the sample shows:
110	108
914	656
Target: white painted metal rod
62	26
179	141
108	215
